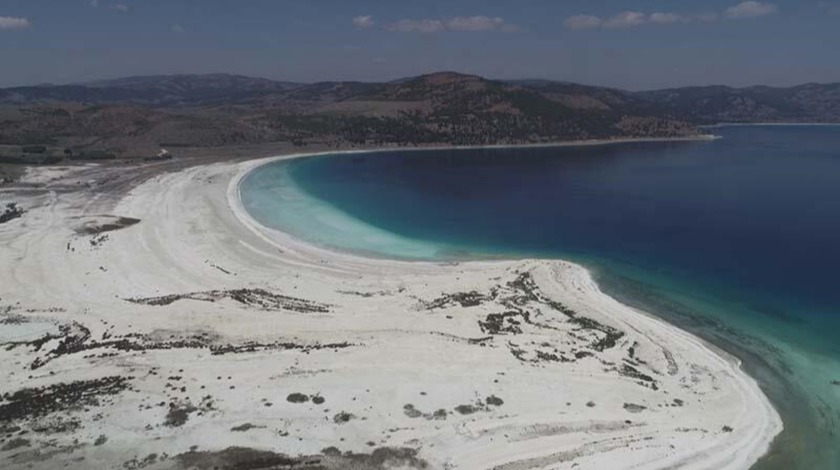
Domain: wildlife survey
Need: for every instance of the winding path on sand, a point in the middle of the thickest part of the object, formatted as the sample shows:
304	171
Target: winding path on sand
196	338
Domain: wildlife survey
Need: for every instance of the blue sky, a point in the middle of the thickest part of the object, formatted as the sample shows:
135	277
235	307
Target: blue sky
627	44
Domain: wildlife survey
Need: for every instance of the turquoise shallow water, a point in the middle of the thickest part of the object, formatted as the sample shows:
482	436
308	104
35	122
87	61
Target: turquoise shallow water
733	239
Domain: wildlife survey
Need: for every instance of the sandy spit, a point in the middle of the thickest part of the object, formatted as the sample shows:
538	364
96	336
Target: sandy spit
161	327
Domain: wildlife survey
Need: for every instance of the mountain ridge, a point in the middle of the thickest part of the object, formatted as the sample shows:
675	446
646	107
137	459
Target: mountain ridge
706	104
444	108
703	104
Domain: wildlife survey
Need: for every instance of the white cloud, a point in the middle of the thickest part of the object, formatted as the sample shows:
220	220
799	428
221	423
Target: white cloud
626	19
14	23
478	23
416	26
667	18
630	19
750	9
582	22
178	29
459	23
363	21
121	7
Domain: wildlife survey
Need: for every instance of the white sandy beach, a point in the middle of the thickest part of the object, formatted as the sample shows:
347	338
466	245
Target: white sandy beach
208	325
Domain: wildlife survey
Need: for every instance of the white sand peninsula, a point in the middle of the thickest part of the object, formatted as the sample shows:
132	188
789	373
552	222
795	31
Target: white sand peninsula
155	326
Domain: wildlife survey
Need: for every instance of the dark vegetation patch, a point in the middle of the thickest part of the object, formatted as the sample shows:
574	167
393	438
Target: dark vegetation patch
835	382
522	300
318	400
727	429
543	352
528	291
629	371
178	414
255	298
254	347
10	212
494	400
521	297
467	409
297	398
35	402
241	458
99	240
139	463
438	414
16	443
12	319
631	351
611	335
411	411
75	338
245	427
480	341
343	417
112	223
365	295
55	425
504	323
634	408
464	299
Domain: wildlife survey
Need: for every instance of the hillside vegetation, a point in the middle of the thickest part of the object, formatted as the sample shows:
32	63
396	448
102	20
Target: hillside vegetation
142	113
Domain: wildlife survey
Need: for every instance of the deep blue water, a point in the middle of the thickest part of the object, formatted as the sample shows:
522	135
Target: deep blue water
735	239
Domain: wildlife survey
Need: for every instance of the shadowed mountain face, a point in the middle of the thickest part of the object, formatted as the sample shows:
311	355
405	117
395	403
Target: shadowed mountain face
714	104
440	108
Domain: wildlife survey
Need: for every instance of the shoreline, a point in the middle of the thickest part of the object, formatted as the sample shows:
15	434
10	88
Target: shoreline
274	235
234	195
407	359
570	143
776	124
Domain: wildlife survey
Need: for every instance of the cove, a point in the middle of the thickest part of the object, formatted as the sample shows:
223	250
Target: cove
733	239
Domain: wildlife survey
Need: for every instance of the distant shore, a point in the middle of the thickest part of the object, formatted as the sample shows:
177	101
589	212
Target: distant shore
571	143
779	124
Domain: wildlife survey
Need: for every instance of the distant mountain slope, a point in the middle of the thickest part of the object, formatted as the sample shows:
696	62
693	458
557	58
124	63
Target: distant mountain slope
714	104
466	109
440	108
191	82
213	110
700	105
163	90
578	95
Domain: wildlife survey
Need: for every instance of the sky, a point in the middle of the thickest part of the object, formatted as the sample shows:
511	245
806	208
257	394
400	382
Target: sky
627	44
